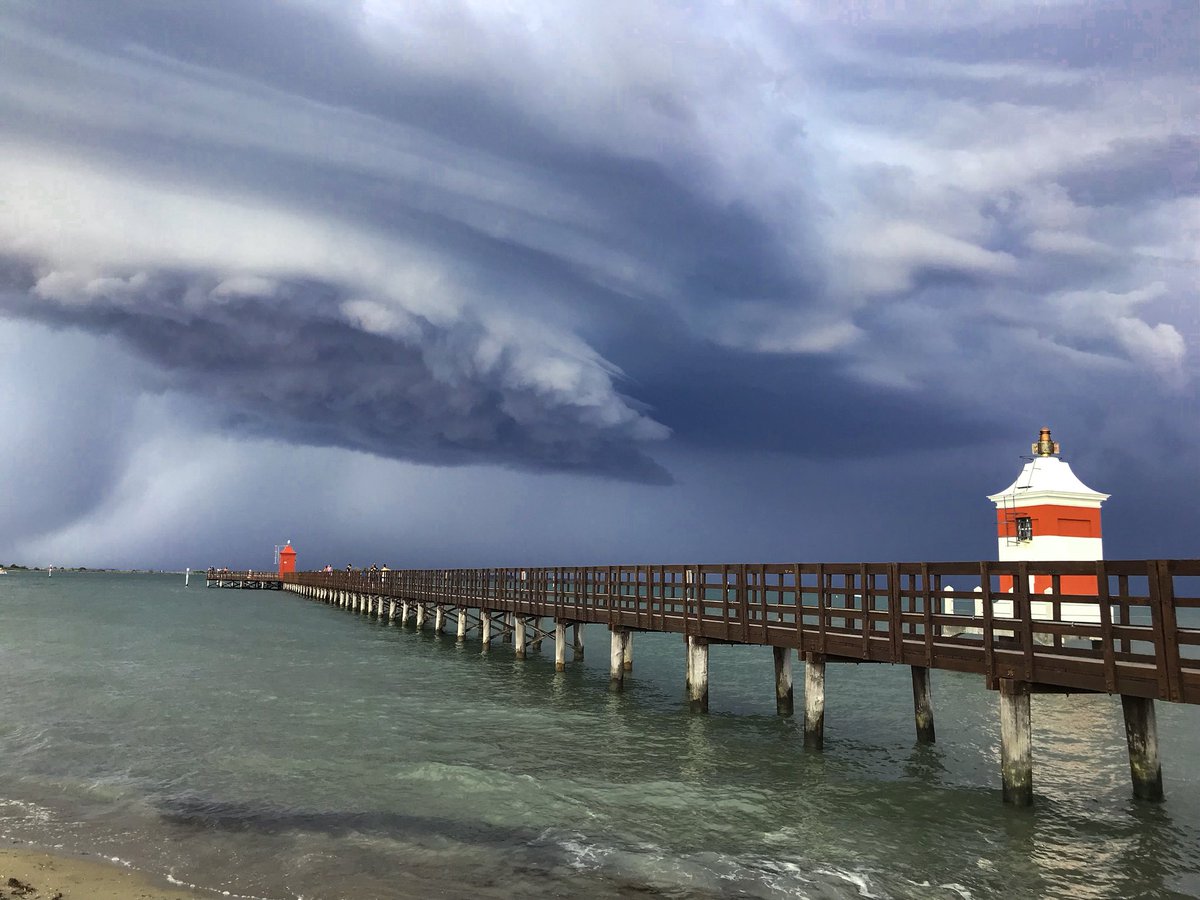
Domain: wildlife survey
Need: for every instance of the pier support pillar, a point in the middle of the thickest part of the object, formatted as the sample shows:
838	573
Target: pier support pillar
784	697
577	640
560	646
403	612
439	619
508	631
697	673
391	611
1141	734
462	624
627	660
814	700
519	636
420	616
923	705
616	658
485	628
1016	743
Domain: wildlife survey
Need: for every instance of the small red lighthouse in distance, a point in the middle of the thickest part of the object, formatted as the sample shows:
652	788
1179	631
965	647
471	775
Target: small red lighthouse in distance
1049	514
287	559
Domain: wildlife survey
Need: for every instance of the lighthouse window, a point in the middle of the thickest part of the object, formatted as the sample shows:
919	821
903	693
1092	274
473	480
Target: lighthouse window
1024	528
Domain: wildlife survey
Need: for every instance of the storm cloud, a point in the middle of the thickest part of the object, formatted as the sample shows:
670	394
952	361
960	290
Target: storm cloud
641	244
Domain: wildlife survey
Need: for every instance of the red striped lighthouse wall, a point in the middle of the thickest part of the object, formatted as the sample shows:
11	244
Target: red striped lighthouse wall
1050	522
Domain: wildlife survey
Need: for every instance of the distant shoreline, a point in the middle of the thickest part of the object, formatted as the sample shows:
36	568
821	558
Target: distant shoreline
84	570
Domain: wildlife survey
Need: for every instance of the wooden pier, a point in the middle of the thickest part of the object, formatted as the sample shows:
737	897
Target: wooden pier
247	580
977	617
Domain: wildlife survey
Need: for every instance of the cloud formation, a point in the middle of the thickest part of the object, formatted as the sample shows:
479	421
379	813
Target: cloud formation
560	238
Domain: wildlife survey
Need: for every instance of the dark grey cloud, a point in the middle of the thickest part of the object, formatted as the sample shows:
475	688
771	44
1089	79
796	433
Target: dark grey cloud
564	240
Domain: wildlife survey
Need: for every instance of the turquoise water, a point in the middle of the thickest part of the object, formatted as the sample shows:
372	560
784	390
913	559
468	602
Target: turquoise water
270	746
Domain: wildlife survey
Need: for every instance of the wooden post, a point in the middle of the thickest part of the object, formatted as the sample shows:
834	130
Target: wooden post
697	676
1016	744
1141	734
439	618
519	636
462	623
784	697
627	662
814	700
560	646
922	705
616	658
577	640
485	627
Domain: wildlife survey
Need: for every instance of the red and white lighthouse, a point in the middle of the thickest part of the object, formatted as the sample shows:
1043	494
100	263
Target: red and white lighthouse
1049	514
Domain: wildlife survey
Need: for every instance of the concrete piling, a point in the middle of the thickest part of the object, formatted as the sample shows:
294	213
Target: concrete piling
577	640
814	700
391	611
560	646
485	628
1016	743
627	661
616	658
439	618
922	705
1141	736
519	636
697	673
420	616
462	624
784	696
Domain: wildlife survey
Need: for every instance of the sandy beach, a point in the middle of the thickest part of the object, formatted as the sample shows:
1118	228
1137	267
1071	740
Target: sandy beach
34	874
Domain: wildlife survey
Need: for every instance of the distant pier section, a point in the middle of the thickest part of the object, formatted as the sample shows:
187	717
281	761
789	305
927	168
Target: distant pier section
246	580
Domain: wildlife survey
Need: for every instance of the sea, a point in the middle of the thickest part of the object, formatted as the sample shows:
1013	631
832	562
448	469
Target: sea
257	744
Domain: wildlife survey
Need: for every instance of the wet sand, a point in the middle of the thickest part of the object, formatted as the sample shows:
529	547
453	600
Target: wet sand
29	874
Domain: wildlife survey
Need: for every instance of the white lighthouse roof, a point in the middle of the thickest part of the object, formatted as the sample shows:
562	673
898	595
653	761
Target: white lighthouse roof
1048	479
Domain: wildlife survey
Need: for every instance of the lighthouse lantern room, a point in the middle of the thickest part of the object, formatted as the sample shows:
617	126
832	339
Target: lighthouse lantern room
1047	513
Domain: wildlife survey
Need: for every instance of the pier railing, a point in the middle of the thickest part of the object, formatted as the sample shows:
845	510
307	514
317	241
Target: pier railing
1136	633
